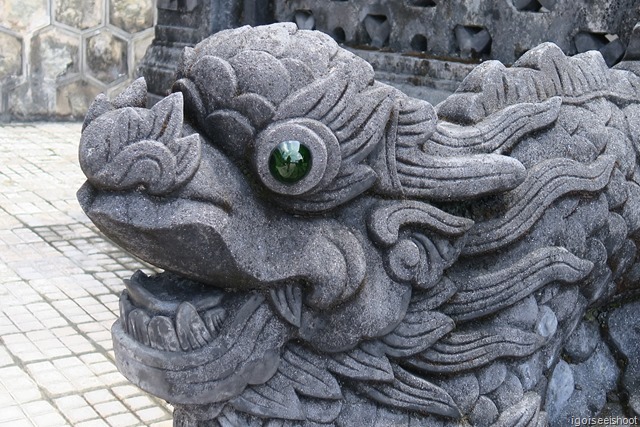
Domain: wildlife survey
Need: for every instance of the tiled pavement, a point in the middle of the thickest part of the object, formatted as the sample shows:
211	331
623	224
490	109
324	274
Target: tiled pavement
59	286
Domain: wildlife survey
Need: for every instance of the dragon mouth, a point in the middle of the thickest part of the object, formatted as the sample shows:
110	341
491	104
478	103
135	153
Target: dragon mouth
173	314
193	344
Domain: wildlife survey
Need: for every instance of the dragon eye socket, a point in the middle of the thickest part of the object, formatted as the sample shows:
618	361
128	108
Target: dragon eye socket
296	157
290	161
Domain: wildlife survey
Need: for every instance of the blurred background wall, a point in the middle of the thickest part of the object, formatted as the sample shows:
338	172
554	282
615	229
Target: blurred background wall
57	55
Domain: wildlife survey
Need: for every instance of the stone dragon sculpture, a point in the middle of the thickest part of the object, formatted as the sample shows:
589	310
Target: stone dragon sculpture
339	254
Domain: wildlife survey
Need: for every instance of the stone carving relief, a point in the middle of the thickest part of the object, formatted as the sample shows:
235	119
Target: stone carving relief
337	253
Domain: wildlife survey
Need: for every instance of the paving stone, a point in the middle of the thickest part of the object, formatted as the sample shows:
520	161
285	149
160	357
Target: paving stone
99	396
38	407
50	378
18	384
21	348
123	420
94	423
138	402
55	314
126	391
70	402
107	409
151	414
11	413
50	420
5	357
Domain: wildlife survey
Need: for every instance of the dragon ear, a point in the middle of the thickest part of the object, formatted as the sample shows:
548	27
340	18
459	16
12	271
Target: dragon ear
421	240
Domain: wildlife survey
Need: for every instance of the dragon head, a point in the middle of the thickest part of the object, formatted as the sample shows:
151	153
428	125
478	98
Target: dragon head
315	223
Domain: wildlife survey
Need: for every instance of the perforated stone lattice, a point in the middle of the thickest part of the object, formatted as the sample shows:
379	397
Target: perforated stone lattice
470	30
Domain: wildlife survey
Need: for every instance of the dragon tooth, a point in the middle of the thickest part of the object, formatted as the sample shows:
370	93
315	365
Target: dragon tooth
125	309
138	322
214	318
162	334
191	330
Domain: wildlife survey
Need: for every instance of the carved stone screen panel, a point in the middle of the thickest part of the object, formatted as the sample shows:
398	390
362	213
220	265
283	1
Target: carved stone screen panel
468	29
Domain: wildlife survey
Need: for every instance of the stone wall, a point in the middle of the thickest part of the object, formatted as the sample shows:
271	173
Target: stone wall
57	55
423	47
470	29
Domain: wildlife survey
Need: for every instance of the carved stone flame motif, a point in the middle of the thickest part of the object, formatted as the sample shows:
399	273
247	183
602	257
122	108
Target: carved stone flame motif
425	269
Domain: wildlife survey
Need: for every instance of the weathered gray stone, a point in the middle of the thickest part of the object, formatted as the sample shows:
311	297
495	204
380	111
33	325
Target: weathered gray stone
132	16
633	48
458	27
530	371
547	322
484	412
338	253
27	100
107	56
378	29
54	54
305	20
521	315
44	48
491	377
592	380
140	46
472	42
589	41
415	26
559	390
73	99
625	333
611	50
80	14
508	394
465	391
10	56
24	15
616	417
583	341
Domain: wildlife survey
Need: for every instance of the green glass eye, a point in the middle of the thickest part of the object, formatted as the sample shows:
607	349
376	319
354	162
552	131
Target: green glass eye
290	161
